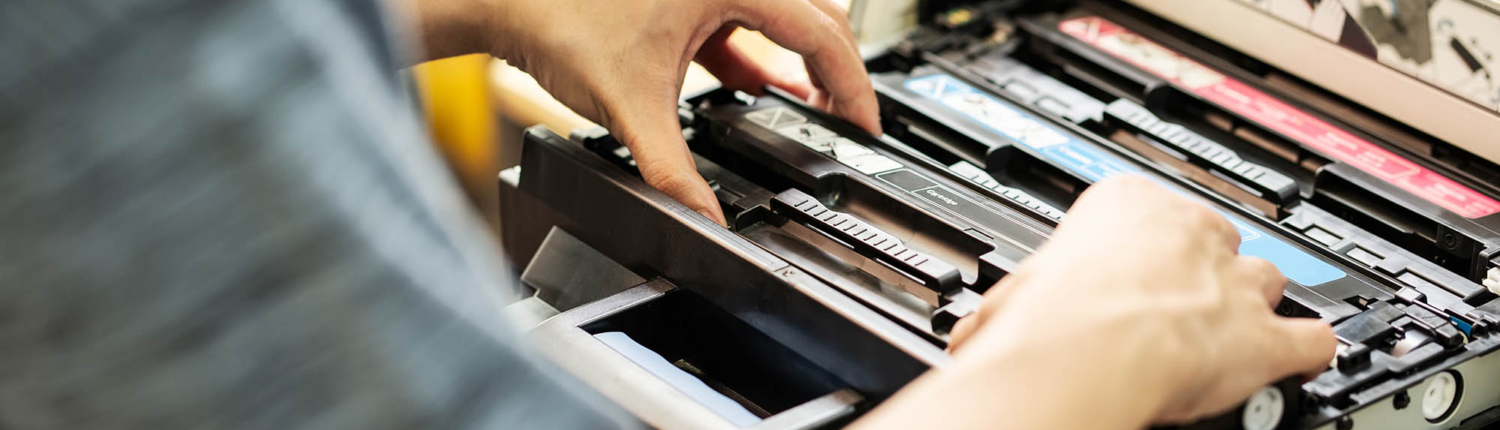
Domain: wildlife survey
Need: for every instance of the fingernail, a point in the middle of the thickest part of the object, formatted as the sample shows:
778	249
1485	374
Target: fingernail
711	217
707	214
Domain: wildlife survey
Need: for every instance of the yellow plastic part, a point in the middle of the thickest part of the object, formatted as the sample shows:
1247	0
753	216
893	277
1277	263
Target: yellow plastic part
456	96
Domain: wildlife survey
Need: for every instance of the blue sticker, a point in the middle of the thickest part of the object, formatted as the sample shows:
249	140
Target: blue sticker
1094	164
1467	328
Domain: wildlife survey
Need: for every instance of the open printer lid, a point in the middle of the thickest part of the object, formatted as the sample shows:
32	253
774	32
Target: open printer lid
1432	65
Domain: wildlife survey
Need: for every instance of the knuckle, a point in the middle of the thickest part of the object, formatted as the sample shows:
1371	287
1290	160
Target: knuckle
830	26
833	11
770	22
1212	300
1251	300
1139	183
1114	187
1202	219
669	181
830	23
1123	183
1135	188
841	18
1263	268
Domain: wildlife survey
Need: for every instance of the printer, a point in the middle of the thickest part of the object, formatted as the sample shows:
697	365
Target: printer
1352	143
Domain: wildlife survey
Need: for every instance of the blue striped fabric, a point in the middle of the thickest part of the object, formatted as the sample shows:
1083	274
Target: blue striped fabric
221	214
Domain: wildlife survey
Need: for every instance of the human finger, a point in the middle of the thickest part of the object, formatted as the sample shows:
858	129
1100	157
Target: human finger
829	50
739	72
1264	276
1306	346
963	330
655	140
1206	221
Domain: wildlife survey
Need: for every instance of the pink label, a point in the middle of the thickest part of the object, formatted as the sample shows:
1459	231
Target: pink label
1271	113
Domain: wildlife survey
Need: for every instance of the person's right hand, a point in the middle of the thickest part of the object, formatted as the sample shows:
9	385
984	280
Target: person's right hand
1139	310
1142	273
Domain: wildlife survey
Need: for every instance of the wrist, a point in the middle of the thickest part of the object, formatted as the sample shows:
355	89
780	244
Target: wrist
1053	386
450	28
1112	364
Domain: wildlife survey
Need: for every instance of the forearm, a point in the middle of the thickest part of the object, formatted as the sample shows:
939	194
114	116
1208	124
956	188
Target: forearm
1022	390
450	28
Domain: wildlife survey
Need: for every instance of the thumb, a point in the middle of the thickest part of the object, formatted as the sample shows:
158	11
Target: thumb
1311	346
666	163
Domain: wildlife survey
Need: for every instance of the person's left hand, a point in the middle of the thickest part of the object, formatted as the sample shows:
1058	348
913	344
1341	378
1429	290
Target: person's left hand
621	64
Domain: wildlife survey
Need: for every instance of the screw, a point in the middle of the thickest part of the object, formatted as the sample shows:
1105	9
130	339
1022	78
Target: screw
1401	400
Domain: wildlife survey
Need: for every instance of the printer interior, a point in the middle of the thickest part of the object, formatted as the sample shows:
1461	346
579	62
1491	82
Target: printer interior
849	257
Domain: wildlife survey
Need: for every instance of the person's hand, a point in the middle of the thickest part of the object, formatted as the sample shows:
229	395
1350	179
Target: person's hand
621	63
1155	280
1140	310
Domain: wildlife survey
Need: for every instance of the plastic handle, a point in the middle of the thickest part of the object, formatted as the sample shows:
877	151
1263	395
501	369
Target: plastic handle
1270	183
868	241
